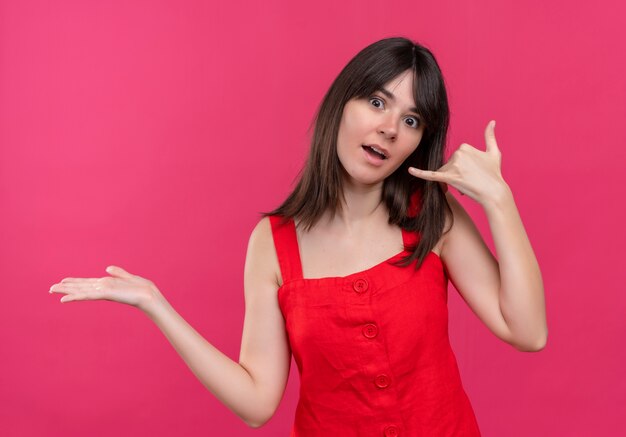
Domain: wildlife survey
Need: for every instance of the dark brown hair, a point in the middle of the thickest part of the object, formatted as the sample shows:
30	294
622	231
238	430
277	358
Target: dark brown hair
320	184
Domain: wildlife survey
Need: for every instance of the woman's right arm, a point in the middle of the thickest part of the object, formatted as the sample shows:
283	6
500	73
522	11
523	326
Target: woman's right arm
252	388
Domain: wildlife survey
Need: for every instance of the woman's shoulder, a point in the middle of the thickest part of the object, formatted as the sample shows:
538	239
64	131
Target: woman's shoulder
453	215
261	247
263	230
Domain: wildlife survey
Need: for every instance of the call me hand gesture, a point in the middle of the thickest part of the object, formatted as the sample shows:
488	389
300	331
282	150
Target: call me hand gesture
509	288
471	171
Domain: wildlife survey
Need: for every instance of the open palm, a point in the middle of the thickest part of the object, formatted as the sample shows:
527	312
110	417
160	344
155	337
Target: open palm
121	286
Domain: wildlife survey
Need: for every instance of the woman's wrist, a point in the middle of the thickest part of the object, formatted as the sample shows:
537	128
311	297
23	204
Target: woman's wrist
153	302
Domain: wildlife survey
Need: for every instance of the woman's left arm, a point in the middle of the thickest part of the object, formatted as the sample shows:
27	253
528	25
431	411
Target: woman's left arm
521	293
506	294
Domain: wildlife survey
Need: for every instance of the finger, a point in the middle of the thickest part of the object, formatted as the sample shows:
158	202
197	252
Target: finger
68	293
78	282
73	297
429	175
119	272
76	286
56	289
71	280
82	285
490	137
94	292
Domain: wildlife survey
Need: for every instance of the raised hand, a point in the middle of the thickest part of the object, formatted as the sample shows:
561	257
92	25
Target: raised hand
121	286
471	171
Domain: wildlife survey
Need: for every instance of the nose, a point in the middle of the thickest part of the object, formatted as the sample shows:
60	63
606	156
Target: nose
389	127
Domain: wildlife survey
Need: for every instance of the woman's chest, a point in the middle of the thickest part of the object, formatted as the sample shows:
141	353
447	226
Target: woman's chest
324	254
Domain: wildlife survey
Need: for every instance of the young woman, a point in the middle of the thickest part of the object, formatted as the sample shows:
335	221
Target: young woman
350	273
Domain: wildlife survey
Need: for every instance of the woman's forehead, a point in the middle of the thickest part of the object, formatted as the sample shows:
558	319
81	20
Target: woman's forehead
401	89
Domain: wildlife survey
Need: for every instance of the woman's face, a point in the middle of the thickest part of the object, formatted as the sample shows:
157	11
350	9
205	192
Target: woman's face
386	121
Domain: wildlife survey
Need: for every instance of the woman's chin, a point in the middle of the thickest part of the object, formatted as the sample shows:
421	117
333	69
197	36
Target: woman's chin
363	180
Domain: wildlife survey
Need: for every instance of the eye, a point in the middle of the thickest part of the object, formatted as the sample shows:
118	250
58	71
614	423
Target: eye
416	122
376	99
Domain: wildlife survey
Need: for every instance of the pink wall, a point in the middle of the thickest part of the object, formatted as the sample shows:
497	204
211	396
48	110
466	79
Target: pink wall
148	134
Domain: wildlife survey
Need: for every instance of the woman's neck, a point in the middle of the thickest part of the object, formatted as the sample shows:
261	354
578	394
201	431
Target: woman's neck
360	206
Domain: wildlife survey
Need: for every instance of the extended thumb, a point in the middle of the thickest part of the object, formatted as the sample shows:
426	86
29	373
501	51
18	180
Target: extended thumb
118	271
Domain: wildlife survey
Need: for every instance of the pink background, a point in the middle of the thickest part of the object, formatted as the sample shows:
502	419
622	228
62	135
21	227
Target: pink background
149	134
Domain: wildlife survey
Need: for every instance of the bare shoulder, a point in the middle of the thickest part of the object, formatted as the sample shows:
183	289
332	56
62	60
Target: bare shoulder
458	224
261	256
452	217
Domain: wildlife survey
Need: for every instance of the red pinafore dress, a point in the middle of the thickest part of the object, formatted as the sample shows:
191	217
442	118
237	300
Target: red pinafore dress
372	348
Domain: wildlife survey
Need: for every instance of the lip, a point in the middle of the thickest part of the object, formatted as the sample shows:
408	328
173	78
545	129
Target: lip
379	147
374	161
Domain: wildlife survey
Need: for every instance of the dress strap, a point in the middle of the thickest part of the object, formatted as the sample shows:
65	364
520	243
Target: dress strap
286	244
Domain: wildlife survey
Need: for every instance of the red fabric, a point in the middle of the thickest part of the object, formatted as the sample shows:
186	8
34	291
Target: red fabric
372	348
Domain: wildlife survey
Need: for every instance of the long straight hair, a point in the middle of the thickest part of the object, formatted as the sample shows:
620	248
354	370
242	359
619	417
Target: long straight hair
320	188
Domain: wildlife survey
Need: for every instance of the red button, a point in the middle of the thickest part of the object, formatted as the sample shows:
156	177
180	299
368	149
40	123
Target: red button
382	381
360	285
391	431
370	330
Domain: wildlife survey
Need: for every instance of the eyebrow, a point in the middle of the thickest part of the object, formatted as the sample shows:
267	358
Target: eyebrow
392	97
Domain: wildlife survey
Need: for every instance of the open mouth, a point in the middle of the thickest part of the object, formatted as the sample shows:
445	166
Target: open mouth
375	153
